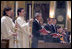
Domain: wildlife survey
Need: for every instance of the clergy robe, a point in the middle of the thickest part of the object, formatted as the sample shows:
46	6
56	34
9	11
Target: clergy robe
23	32
7	29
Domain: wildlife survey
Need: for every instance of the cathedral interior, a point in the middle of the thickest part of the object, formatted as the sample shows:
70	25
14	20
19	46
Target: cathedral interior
61	10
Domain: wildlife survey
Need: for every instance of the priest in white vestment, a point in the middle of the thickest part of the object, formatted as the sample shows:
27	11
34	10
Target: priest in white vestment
7	27
23	29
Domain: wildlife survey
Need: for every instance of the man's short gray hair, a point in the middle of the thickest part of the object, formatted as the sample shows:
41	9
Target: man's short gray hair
37	14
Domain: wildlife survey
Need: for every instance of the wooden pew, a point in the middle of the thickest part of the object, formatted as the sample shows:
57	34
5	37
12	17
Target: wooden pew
5	43
53	45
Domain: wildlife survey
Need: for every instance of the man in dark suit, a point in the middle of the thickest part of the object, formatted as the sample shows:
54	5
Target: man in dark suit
54	26
35	30
67	35
48	27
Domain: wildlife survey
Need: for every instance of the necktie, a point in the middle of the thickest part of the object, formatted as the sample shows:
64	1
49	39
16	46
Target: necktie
54	28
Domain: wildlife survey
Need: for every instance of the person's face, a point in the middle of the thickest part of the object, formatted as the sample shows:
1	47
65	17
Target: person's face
40	17
54	21
12	14
50	21
41	22
22	13
9	13
60	30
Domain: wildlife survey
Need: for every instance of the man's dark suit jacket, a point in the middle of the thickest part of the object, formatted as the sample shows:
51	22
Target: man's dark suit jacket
54	28
48	27
35	29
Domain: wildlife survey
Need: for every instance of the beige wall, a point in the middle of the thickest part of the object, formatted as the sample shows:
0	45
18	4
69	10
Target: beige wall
6	3
21	4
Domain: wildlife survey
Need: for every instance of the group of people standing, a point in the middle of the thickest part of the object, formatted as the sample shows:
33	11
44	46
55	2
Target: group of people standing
19	31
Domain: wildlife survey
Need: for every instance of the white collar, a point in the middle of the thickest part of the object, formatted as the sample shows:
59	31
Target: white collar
21	17
37	20
53	24
8	17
